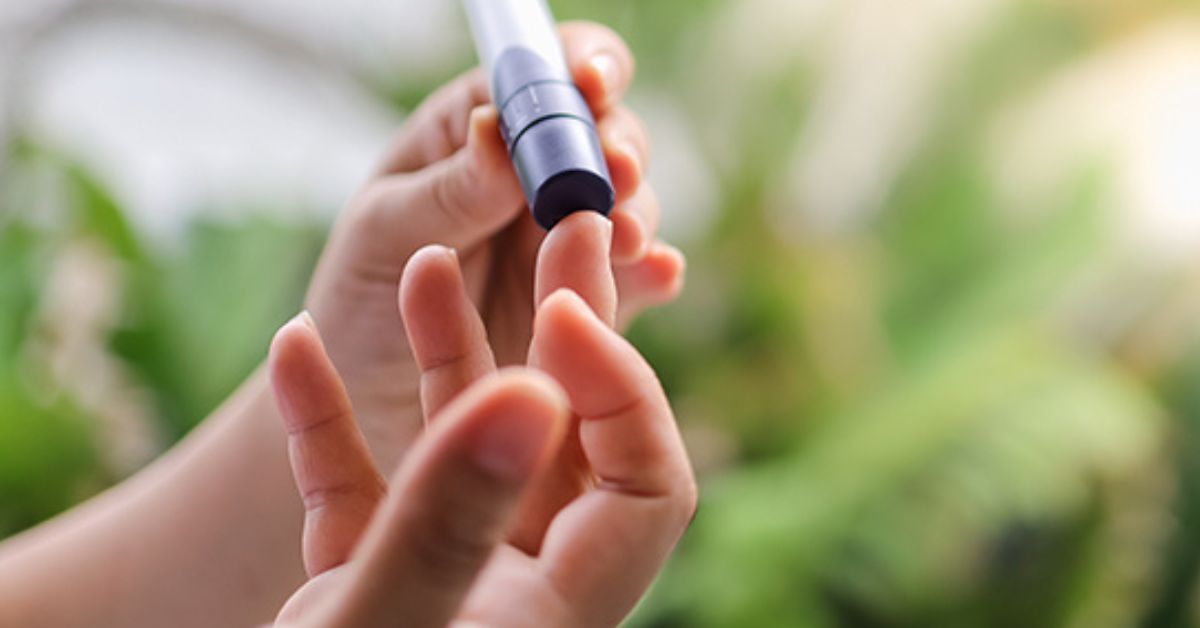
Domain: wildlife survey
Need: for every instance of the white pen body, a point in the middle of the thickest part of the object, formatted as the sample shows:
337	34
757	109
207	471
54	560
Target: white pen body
498	25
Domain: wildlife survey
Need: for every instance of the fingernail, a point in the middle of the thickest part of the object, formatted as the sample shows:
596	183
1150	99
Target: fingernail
475	120
510	447
307	319
606	66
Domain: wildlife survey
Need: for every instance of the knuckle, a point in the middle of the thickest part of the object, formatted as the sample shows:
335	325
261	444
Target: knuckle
321	497
447	194
370	205
456	187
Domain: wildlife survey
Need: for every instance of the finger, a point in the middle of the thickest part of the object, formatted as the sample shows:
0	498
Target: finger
457	201
628	433
307	601
575	255
438	127
655	280
626	149
635	223
452	501
600	63
330	460
448	339
604	549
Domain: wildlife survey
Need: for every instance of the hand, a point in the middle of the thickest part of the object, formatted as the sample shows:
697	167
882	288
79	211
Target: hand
431	550
448	180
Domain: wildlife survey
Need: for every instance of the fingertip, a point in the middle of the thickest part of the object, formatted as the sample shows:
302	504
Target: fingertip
430	256
525	422
583	236
291	340
577	254
630	240
307	320
302	377
606	69
600	62
586	236
564	308
431	264
483	120
624	166
483	134
595	79
562	299
587	222
445	334
626	149
534	390
666	269
673	263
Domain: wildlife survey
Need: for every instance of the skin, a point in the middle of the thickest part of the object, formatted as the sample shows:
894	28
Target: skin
206	535
448	180
439	547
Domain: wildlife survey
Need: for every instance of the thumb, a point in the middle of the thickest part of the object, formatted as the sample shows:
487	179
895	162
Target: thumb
457	201
452	501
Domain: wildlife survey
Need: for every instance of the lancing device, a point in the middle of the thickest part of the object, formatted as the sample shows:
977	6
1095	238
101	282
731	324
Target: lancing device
544	120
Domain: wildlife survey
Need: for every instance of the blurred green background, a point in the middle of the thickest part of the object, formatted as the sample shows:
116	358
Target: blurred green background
938	361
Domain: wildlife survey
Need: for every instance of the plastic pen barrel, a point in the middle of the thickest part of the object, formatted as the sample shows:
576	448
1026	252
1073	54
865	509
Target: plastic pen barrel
545	121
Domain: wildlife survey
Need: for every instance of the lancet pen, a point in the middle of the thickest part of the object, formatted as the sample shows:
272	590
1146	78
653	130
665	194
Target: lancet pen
546	123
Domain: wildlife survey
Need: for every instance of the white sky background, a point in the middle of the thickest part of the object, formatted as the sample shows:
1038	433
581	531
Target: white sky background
1135	107
177	118
881	65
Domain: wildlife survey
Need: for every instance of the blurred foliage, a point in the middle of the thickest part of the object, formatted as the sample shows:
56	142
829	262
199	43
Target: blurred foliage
916	436
193	322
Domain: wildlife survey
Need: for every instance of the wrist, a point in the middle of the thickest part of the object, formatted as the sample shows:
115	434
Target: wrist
208	534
